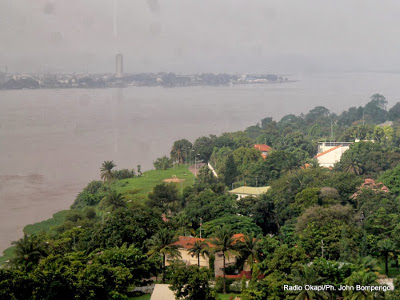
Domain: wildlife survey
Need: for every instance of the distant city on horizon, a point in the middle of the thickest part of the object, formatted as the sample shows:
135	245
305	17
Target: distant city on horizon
11	81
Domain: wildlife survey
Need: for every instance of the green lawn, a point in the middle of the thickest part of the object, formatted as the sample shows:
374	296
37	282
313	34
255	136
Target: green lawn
393	272
57	219
138	186
6	254
143	297
145	184
221	296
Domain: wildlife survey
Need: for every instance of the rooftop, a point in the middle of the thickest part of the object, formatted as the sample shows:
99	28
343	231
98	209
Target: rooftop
249	190
263	147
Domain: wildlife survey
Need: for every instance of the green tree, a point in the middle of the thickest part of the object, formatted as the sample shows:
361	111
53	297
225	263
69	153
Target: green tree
223	242
364	279
162	163
308	275
204	147
386	246
28	251
237	223
330	224
391	179
208	205
199	248
106	170
394	112
131	226
115	200
161	244
191	283
249	250
181	150
376	108
164	196
230	171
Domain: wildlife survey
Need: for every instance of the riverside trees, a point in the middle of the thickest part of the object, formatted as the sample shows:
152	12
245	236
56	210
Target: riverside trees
103	248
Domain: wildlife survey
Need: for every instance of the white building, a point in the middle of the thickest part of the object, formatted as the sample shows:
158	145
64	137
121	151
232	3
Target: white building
330	153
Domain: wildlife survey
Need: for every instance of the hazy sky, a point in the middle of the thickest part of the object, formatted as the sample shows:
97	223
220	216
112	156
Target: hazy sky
200	35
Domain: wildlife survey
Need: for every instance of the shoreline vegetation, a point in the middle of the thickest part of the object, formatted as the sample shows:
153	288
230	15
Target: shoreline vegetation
337	225
90	81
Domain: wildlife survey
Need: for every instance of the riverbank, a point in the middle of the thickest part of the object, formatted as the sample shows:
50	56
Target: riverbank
138	186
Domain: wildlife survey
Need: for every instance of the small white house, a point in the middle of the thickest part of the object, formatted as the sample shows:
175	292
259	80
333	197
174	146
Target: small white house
330	153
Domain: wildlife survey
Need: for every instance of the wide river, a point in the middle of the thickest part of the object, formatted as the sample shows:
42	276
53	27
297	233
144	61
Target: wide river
53	142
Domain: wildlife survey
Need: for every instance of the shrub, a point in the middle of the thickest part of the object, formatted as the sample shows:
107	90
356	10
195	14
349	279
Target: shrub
123	174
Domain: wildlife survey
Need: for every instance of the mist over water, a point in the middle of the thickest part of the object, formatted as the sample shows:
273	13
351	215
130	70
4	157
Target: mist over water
54	141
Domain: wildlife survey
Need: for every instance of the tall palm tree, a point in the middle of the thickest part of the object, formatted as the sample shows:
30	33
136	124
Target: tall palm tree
224	242
352	165
28	251
106	167
307	275
248	250
161	244
386	246
364	279
115	199
199	248
182	224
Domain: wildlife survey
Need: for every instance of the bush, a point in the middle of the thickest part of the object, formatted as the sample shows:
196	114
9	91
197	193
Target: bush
90	195
219	284
162	163
123	174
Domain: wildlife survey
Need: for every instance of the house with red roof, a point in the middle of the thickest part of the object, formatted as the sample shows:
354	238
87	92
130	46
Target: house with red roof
185	243
265	149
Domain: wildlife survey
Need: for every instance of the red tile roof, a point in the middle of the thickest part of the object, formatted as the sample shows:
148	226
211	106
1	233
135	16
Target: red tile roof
263	147
327	151
187	242
240	276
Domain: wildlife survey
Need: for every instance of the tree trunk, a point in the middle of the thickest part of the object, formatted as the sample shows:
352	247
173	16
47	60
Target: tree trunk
198	260
386	264
163	269
224	275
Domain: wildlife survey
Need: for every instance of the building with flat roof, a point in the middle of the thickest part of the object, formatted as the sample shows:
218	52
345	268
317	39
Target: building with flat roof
246	191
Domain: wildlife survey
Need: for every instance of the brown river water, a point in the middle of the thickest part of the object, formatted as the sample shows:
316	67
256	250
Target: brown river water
52	142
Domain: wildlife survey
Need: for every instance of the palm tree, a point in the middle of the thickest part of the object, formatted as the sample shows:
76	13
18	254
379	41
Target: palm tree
28	251
106	167
197	249
115	199
161	243
248	249
385	247
307	275
364	279
352	165
182	224
223	242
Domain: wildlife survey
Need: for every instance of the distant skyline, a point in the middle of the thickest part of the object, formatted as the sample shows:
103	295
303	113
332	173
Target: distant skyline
191	36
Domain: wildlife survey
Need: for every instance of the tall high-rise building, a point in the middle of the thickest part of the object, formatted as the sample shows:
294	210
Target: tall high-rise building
119	61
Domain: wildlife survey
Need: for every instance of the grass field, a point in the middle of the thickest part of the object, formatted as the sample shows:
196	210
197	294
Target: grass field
393	272
143	297
57	219
143	185
221	296
140	185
